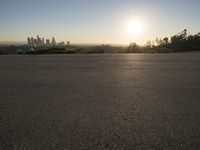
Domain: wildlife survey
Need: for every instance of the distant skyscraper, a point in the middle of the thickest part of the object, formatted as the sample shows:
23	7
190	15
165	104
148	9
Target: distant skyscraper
38	38
47	42
53	42
29	41
68	43
39	41
42	41
35	43
32	41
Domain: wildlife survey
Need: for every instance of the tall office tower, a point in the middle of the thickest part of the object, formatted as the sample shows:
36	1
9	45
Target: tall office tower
29	41
32	42
42	41
38	38
47	42
35	44
53	42
39	41
68	43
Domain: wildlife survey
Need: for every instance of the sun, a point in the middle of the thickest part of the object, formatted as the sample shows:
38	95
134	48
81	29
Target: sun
135	27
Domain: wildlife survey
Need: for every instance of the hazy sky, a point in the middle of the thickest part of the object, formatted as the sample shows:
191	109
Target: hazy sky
96	21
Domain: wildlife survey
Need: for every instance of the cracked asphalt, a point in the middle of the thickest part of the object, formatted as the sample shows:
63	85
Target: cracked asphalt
106	101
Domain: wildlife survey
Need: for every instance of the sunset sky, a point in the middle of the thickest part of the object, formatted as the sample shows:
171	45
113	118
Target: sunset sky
97	21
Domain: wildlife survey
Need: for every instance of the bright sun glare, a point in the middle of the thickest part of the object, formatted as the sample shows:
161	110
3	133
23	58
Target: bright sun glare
135	27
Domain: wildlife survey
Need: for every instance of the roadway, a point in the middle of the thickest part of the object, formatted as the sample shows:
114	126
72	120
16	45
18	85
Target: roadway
105	101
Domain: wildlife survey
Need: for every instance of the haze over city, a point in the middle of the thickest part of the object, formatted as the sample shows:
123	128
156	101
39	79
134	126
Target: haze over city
94	21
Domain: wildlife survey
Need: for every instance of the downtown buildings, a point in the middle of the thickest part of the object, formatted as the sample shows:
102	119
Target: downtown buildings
41	42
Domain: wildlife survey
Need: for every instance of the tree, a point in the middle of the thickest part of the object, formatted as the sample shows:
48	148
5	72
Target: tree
166	40
133	47
148	44
159	42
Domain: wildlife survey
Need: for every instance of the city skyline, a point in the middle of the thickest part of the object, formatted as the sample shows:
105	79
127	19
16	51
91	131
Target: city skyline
94	21
42	42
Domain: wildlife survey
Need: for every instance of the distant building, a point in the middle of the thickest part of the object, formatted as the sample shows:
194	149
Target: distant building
53	42
43	42
40	42
29	41
32	41
35	43
61	44
47	42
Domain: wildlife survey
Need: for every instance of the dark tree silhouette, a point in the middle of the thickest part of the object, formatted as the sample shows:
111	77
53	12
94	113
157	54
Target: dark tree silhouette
166	40
177	43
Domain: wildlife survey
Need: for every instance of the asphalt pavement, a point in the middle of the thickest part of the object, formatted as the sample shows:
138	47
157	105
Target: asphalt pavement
100	102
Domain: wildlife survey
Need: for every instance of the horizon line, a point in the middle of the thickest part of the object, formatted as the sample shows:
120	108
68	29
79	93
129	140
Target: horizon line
75	43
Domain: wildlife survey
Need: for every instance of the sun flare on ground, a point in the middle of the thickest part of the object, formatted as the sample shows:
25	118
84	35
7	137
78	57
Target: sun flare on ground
135	27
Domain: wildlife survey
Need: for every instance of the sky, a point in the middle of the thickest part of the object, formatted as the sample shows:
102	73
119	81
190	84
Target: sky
97	21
